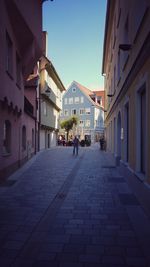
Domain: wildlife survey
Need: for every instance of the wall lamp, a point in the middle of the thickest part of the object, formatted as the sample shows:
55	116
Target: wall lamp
111	95
125	47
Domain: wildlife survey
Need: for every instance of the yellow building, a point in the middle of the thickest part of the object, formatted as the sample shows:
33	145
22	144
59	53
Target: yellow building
126	67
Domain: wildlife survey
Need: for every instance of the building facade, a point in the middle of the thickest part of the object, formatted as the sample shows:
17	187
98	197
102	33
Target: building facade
126	67
50	100
21	48
87	106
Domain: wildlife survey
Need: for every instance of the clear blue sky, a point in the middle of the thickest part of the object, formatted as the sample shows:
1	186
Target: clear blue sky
75	39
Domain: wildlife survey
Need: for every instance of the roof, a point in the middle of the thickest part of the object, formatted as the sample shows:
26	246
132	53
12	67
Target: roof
53	73
109	14
99	93
87	92
84	89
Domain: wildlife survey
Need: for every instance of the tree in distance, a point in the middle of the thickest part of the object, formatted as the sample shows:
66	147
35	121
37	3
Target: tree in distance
68	124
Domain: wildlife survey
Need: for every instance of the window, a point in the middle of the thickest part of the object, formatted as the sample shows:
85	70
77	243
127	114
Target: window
118	67
76	100
99	100
74	112
87	111
18	70
114	37
9	55
118	15
81	123
82	99
125	54
81	111
143	130
23	138
96	123
87	123
66	113
32	137
70	100
73	90
114	80
65	101
7	137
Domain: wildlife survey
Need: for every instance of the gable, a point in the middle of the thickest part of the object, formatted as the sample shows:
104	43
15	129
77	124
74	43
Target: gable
76	89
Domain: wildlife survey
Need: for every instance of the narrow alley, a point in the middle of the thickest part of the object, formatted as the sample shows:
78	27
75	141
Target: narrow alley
61	210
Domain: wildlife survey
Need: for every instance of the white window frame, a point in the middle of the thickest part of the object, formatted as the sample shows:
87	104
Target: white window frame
65	101
70	101
76	100
87	123
82	99
81	111
81	124
72	111
73	90
87	111
66	111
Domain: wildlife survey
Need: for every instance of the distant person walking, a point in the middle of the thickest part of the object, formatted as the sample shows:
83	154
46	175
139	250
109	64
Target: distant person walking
102	143
75	146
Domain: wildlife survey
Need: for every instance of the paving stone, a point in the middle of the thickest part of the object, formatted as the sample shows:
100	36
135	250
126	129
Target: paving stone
5	263
8	253
45	264
128	199
58	239
70	264
46	256
117	260
90	258
79	239
23	263
68	257
93	249
13	245
48	247
136	261
115	251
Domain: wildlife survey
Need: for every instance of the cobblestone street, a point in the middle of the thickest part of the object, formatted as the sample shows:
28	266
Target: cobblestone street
61	210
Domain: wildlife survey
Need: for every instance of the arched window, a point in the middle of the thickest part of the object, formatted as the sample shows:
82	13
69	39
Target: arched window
24	138
7	137
32	137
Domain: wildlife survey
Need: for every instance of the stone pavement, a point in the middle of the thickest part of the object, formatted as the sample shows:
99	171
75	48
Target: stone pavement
60	210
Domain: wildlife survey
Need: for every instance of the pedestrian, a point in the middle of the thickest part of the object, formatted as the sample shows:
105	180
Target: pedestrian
102	142
75	145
